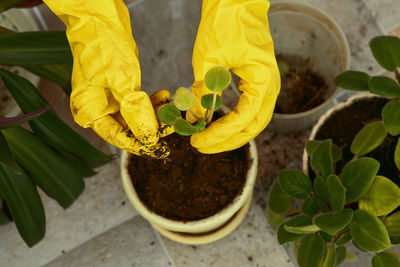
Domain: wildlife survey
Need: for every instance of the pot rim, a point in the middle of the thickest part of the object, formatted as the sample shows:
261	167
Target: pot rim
326	116
340	36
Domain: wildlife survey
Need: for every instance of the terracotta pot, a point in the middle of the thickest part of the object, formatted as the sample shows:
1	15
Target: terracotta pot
200	231
305	31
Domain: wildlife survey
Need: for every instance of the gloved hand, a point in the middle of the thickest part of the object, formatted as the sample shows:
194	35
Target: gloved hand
235	34
106	93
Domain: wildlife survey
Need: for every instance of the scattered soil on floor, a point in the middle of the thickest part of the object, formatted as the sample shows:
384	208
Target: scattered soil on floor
189	185
301	89
343	126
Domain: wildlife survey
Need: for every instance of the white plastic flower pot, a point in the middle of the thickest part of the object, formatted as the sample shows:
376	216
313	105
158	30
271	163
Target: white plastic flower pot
305	31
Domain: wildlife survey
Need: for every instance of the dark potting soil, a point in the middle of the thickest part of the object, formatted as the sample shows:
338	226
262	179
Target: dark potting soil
343	126
189	185
301	88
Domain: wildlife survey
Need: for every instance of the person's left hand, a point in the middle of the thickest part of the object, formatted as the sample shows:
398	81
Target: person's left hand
235	34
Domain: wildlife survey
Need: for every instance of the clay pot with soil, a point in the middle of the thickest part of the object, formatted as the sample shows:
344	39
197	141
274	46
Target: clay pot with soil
311	50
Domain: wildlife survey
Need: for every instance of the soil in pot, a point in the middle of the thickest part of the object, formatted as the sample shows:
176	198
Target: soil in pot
343	126
301	89
189	185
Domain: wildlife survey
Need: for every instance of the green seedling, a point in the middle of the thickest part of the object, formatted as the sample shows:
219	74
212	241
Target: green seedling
216	79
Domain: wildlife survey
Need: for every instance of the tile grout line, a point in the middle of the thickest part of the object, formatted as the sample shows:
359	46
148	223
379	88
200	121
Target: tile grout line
163	246
90	239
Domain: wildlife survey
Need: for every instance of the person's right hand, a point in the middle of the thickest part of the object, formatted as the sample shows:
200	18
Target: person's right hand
106	93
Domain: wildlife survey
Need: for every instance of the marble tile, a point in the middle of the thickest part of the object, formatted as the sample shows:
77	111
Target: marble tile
387	13
130	244
101	206
253	243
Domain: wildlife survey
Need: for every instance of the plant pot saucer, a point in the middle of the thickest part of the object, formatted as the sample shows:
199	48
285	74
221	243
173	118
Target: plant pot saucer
205	238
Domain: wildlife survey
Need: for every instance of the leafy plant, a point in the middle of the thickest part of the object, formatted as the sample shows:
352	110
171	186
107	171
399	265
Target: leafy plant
217	79
52	156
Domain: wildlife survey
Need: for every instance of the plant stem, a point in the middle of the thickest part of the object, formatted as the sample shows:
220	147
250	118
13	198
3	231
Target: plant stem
397	73
392	252
212	107
191	112
292	211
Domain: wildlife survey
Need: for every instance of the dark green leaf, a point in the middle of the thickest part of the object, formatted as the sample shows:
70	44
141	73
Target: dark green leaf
352	80
321	159
384	86
6	156
336	151
310	206
24	203
337	191
77	164
207	100
323	206
341	253
385	259
285	236
325	236
311	251
200	125
358	175
47	169
397	154
386	50
6	4
217	78
391	117
382	197
295	183
369	232
321	189
278	200
392	224
168	114
333	223
368	138
34	48
344	239
330	259
395	240
49	127
183	127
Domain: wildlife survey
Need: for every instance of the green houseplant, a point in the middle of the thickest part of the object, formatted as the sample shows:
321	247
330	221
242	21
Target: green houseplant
51	155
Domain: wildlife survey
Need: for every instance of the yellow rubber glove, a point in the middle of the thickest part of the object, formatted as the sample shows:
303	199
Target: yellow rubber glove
235	34
106	93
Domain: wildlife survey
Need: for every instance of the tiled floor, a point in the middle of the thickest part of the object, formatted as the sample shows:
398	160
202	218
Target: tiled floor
102	229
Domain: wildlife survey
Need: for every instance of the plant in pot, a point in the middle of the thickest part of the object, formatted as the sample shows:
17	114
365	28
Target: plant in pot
50	155
311	50
191	197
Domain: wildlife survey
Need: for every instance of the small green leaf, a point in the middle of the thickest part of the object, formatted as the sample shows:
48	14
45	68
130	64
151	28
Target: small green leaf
285	236
336	151
395	240
321	159
369	232
352	80
279	201
310	206
307	229
183	127
386	50
358	175
311	251
200	125
382	197
397	154
168	114
344	239
217	78
368	138
206	101
323	206
274	219
295	183
283	68
330	259
184	99
392	224
384	86
6	156
325	236
341	253
350	257
385	259
333	223
391	117
337	191
321	189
